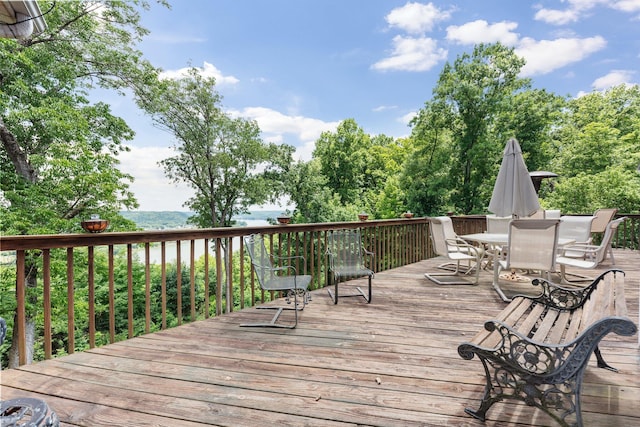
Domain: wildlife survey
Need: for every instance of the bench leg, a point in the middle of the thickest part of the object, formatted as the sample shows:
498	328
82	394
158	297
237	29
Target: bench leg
601	362
560	401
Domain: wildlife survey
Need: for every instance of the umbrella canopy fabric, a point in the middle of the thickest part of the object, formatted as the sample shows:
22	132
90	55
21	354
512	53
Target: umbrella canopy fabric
513	192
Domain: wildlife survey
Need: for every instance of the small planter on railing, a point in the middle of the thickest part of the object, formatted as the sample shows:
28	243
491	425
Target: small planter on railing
95	224
284	219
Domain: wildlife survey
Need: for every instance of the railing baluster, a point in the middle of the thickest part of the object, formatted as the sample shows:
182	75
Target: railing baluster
112	297
229	275
206	278
163	279
242	281
192	279
70	304
147	288
218	277
130	290
179	281
46	296
20	327
92	297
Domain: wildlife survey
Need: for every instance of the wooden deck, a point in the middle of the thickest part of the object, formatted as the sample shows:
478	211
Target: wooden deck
391	363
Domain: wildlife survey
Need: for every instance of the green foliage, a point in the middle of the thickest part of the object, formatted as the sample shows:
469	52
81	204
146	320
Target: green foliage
59	159
349	173
598	153
466	102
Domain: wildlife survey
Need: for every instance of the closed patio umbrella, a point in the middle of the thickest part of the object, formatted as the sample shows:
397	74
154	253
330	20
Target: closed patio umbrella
513	192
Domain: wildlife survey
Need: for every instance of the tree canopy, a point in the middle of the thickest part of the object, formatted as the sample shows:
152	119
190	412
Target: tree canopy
60	150
222	158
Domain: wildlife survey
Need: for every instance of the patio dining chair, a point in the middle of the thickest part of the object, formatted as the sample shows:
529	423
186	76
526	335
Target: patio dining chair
586	256
348	260
602	217
532	246
576	228
496	225
455	250
277	278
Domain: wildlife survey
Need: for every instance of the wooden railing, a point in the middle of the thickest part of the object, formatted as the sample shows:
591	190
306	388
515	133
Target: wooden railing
77	271
86	267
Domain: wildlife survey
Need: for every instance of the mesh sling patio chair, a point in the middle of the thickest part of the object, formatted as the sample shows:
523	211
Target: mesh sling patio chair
455	250
284	279
532	246
586	256
347	260
576	228
496	225
602	217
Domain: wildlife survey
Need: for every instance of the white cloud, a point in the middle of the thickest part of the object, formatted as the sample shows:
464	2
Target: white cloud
154	191
406	119
207	70
557	17
579	8
275	125
626	5
545	56
481	31
614	78
412	54
416	18
381	108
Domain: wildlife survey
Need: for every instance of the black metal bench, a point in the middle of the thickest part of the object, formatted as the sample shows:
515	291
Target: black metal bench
538	348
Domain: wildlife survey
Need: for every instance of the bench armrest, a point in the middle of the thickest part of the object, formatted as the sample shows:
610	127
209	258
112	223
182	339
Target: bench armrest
564	298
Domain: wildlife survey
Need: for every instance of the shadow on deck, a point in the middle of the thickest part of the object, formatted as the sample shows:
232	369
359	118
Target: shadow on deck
393	362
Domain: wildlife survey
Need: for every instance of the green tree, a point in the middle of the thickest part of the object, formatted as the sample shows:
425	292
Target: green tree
342	157
222	158
350	172
598	152
469	94
59	157
425	175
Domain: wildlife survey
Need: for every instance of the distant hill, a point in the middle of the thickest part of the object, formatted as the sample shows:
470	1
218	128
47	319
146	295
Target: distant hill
158	220
170	220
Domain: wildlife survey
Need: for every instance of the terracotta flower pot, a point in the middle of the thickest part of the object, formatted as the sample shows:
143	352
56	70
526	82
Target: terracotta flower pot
284	219
95	225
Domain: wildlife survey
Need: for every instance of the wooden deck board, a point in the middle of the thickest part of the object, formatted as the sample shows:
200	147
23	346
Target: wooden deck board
393	362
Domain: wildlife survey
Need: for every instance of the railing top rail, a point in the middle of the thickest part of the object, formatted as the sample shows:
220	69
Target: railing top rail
52	241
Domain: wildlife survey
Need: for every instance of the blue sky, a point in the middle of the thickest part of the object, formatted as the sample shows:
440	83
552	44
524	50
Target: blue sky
299	67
